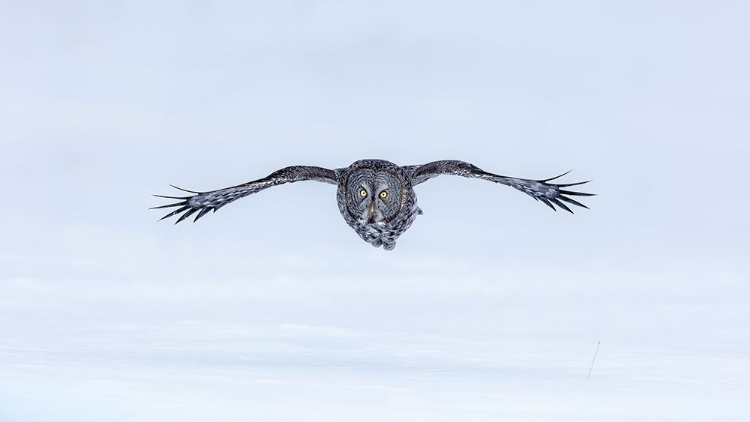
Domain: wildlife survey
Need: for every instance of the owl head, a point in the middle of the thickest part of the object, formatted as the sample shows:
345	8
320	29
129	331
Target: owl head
375	191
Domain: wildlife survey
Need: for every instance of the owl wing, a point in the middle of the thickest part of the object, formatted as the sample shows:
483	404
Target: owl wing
203	202
550	193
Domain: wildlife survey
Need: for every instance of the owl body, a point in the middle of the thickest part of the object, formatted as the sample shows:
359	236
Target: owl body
377	200
375	197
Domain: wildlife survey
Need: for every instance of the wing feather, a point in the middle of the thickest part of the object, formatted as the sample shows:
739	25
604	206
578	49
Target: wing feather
550	194
560	204
186	207
546	201
203	202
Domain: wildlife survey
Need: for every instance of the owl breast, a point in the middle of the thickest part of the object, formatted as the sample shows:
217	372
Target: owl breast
385	235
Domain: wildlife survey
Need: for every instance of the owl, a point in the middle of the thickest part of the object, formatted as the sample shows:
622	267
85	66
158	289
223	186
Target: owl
375	197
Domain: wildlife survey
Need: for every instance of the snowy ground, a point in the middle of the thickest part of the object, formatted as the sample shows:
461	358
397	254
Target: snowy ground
110	355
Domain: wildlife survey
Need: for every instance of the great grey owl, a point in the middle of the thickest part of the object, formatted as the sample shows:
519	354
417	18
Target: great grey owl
375	197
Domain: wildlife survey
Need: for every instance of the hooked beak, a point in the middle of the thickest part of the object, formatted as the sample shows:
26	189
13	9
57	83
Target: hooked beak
371	214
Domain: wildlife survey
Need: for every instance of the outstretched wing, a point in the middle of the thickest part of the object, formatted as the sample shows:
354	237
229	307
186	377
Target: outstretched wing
203	202
550	193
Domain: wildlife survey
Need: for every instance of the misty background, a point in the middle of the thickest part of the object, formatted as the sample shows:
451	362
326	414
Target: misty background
272	309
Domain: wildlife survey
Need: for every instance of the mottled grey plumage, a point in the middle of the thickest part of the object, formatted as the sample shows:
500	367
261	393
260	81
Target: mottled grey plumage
375	197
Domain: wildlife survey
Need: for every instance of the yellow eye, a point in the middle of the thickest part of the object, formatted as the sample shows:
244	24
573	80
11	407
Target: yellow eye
383	194
362	193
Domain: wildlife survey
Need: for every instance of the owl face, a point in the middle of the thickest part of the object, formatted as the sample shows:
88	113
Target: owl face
375	193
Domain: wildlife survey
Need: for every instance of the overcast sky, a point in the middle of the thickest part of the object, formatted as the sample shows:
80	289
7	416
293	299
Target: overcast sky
490	307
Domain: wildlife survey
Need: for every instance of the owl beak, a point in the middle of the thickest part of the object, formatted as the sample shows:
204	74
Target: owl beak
371	214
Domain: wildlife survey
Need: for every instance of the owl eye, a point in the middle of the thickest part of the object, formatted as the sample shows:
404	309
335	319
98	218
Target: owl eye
362	193
383	195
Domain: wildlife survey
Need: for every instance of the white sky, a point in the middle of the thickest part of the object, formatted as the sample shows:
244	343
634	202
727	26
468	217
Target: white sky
273	309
